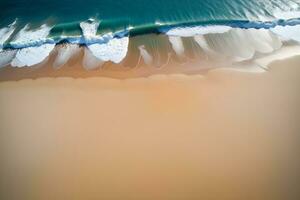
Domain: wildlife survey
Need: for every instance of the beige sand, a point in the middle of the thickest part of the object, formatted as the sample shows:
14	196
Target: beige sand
226	135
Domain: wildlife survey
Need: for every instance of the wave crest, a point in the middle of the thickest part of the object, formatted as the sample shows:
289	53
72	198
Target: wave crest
238	41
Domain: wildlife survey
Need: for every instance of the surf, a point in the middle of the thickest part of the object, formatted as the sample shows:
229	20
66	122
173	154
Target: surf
234	35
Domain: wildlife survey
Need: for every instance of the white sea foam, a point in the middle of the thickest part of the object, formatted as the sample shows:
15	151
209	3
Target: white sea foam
287	15
177	45
6	32
105	47
262	40
197	30
6	56
64	53
114	50
223	41
32	55
145	55
239	44
32	43
233	44
89	29
236	44
288	32
90	62
201	41
27	37
283	53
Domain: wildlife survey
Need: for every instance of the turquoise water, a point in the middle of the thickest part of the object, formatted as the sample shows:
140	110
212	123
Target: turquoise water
142	15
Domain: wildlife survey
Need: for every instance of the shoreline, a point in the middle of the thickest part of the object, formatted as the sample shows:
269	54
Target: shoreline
146	54
74	69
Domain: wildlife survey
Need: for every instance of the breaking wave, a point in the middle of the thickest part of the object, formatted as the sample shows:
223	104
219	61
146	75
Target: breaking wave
237	40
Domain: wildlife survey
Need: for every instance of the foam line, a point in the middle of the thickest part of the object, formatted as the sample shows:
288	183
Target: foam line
238	44
35	37
196	30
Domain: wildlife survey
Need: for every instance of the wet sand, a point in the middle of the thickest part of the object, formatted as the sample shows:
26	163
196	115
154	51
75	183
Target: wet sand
225	135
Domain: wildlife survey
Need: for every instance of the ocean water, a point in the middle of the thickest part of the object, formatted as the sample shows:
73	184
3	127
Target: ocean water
34	27
143	15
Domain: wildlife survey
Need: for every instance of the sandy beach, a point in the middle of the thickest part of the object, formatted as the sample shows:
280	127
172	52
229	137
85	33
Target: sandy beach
222	135
149	100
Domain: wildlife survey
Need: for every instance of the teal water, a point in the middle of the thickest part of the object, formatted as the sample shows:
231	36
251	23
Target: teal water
142	15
